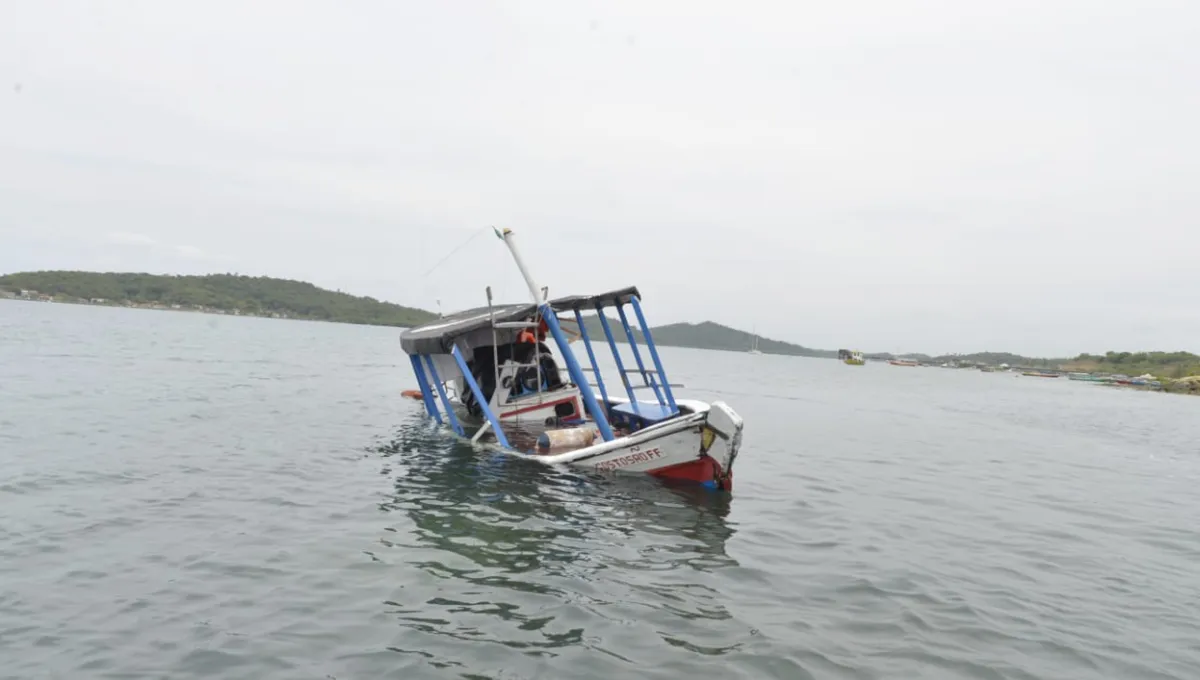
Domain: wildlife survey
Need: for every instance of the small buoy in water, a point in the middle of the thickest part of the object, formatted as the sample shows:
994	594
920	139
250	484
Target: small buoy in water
411	394
565	439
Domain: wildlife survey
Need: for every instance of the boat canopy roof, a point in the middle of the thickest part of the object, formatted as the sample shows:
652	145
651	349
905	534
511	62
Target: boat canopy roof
475	325
613	298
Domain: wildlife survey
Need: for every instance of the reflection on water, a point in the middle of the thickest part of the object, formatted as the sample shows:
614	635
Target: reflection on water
521	554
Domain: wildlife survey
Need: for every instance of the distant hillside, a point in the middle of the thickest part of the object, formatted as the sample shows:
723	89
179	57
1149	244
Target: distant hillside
228	293
705	335
264	296
1160	364
988	358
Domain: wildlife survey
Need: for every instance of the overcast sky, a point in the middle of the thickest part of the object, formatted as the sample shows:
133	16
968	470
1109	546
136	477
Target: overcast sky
919	175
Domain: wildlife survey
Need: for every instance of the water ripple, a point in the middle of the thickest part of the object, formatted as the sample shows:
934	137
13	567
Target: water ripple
210	497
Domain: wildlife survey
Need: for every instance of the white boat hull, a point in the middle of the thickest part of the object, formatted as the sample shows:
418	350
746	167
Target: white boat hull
699	447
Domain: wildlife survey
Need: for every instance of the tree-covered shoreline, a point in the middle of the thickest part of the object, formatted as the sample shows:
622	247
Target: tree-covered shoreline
283	298
212	293
1161	364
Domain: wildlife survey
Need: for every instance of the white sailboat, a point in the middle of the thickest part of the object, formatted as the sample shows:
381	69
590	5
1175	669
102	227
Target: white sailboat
754	347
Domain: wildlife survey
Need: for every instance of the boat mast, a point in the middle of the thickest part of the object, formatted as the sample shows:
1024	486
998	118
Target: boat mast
585	390
507	237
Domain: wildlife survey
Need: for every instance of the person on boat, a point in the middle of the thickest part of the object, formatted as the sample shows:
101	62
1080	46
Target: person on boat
529	345
527	337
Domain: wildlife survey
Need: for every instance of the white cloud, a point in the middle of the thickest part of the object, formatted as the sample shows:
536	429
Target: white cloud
148	244
191	252
129	238
931	174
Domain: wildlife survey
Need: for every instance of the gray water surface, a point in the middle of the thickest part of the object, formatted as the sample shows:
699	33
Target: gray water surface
189	496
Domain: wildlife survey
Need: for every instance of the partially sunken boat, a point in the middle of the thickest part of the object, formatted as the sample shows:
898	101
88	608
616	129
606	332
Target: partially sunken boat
490	368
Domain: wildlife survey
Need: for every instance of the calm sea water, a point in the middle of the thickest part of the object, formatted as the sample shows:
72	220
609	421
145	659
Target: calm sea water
188	496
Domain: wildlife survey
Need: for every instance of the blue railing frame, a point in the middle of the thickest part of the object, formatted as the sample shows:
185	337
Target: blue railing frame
474	387
423	383
587	343
637	356
658	365
599	415
612	344
441	389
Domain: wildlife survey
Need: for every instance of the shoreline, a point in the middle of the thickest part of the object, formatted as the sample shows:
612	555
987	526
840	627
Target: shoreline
1169	385
192	309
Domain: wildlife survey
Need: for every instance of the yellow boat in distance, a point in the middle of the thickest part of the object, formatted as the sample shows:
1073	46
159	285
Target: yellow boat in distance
854	358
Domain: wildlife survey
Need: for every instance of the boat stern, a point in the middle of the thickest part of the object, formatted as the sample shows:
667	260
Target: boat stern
720	440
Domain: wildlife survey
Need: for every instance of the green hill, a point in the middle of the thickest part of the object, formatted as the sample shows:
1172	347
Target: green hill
1160	364
265	296
229	293
988	358
704	335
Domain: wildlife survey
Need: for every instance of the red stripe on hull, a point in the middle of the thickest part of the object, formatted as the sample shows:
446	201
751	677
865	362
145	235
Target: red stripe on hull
538	407
702	470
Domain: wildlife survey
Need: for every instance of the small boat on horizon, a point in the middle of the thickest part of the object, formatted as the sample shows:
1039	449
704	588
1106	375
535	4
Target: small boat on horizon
903	362
852	358
1144	380
754	345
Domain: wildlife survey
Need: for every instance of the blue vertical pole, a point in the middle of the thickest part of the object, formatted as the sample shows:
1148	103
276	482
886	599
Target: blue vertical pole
637	356
585	390
587	342
474	387
442	391
426	394
662	375
617	357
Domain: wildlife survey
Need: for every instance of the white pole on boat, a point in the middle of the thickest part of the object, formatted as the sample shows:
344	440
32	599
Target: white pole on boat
560	338
486	426
495	354
507	237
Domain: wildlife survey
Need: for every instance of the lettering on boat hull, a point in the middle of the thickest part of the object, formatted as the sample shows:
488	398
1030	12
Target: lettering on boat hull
629	459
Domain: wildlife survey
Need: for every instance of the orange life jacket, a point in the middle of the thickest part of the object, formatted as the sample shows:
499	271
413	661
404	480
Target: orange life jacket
526	335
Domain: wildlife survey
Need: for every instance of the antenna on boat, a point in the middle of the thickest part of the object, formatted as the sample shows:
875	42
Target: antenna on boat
576	371
446	259
507	237
495	344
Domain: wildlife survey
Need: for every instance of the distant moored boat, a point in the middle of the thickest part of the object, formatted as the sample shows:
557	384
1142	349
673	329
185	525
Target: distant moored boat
754	346
854	358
